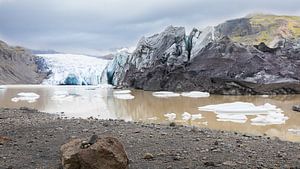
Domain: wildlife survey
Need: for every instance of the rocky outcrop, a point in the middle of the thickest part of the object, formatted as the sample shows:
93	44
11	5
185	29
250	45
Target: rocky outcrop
219	60
18	66
97	153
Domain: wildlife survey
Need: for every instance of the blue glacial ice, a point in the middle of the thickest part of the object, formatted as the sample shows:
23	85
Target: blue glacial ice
71	69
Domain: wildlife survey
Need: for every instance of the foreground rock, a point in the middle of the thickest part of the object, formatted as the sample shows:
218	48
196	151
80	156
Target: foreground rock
37	138
296	108
19	66
102	153
219	60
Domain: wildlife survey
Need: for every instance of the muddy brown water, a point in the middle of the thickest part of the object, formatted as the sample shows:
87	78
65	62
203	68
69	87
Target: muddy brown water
84	102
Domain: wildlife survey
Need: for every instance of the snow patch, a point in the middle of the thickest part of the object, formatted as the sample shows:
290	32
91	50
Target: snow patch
195	94
29	97
266	114
164	94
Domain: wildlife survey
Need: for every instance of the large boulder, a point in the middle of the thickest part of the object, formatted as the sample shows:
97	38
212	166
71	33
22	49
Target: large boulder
98	153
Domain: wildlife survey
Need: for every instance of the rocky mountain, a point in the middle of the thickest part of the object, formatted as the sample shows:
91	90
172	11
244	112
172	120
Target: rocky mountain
18	66
230	58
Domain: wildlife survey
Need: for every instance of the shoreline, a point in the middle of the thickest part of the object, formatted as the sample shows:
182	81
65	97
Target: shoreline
34	139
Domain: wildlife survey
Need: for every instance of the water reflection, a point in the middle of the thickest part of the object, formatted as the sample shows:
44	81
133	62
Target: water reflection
101	103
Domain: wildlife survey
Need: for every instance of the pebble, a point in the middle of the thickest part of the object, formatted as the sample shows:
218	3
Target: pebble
148	156
209	163
229	163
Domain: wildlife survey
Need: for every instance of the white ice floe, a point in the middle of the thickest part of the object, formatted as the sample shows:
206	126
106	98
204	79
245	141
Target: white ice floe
271	118
264	96
294	131
164	94
124	96
29	97
237	118
152	118
266	114
170	116
187	116
195	94
122	92
62	96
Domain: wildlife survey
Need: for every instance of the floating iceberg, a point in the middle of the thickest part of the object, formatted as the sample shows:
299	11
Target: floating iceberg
70	69
29	97
271	118
237	118
195	94
170	116
123	94
164	94
266	114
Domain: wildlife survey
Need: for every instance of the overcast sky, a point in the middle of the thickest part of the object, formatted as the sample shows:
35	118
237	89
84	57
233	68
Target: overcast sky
97	26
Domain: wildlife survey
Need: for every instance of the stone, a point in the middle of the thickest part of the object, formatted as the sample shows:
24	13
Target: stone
4	139
105	153
209	163
296	108
148	156
229	163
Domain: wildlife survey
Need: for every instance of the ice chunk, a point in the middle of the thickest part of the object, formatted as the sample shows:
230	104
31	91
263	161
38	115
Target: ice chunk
187	116
236	118
294	131
29	97
267	114
170	116
195	94
240	107
122	92
62	96
196	116
153	118
124	96
271	118
164	94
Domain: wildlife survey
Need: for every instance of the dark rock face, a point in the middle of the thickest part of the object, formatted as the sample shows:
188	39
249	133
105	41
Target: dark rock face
18	66
221	67
102	153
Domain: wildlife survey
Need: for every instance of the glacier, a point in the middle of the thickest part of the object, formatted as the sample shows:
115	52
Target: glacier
73	69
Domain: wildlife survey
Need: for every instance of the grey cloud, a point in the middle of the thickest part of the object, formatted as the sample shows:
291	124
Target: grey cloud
98	25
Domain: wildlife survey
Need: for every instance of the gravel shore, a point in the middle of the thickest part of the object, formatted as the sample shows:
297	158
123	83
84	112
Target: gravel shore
31	139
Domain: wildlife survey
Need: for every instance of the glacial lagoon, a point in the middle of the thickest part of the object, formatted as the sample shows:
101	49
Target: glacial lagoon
258	115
